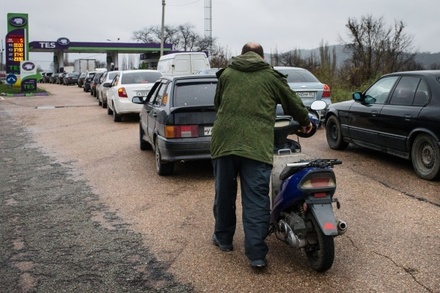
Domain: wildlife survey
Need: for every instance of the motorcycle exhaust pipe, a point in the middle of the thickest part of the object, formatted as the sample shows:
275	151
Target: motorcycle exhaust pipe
289	236
342	227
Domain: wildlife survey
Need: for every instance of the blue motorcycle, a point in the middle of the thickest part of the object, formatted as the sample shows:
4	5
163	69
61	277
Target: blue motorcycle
302	196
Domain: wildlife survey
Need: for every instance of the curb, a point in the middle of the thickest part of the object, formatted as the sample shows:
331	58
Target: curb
24	95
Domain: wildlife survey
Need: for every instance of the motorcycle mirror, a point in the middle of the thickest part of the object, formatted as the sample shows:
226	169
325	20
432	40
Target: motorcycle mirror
318	105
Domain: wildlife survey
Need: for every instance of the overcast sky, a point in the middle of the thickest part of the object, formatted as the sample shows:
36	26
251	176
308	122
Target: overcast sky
275	24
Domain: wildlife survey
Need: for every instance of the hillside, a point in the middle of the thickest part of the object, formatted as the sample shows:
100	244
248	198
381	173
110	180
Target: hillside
427	59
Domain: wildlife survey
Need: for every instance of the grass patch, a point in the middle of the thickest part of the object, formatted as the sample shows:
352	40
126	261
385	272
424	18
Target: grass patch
8	89
340	95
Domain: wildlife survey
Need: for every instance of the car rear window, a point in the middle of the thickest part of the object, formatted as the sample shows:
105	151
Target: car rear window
97	76
140	77
112	75
194	94
299	76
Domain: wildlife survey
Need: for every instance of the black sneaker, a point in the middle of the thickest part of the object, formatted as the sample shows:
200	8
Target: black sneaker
221	246
259	263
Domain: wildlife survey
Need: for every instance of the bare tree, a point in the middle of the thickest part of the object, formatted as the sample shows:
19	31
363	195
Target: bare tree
326	69
182	37
171	36
375	49
147	35
206	43
290	58
219	57
187	36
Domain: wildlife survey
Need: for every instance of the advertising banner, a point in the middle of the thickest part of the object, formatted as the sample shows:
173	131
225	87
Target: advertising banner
28	73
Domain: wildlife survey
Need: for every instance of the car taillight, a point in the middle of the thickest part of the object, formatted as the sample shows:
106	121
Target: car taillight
181	131
326	92
122	93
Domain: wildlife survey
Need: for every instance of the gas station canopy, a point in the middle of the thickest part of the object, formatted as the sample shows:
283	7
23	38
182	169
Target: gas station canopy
148	51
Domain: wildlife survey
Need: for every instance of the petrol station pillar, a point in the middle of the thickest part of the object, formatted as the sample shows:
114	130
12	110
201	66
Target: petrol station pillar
112	61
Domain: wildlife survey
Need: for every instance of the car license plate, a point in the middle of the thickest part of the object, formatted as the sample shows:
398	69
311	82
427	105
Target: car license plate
305	94
207	131
141	93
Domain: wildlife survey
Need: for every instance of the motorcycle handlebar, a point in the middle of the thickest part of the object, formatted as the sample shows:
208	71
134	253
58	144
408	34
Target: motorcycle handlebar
311	133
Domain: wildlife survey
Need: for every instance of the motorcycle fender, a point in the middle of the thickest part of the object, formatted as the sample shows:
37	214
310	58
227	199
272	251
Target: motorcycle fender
325	217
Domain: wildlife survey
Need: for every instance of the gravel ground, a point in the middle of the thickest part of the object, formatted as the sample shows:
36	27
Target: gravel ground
392	244
50	240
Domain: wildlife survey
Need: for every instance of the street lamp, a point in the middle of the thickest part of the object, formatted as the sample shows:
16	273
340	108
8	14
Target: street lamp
162	28
1	57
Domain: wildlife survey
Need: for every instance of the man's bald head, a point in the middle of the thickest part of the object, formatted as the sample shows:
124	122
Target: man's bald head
254	47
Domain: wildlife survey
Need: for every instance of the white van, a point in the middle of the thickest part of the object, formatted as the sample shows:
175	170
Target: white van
182	63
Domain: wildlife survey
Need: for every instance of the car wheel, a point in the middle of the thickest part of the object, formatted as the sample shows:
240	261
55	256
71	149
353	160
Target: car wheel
425	157
104	104
109	111
116	117
143	145
334	134
163	169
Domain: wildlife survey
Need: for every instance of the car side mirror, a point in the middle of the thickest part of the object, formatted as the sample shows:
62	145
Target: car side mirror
357	96
318	105
363	99
138	100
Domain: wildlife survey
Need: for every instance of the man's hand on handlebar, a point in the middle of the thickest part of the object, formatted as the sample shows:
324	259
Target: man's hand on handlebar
307	129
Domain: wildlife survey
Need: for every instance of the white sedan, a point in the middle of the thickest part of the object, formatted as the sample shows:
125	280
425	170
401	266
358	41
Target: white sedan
124	87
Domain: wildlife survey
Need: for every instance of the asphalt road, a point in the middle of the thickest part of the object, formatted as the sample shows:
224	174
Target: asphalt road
82	210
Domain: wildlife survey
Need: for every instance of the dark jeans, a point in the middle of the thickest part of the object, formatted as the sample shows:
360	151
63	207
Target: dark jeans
254	184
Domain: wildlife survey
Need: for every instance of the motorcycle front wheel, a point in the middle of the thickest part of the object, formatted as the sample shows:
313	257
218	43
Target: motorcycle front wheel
321	253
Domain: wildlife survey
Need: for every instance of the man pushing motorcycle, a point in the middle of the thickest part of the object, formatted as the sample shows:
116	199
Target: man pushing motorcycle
247	95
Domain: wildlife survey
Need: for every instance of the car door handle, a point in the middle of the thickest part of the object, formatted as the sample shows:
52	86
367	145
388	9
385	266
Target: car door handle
154	114
374	113
407	116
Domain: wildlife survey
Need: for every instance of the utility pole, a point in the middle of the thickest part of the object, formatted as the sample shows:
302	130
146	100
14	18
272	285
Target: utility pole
1	57
162	28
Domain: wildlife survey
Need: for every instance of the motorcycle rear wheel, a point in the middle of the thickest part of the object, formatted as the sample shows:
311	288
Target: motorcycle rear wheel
321	254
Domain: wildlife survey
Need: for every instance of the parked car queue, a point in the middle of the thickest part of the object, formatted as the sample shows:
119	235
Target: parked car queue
394	115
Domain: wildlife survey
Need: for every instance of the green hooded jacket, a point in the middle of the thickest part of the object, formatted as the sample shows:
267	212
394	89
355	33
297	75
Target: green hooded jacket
248	91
